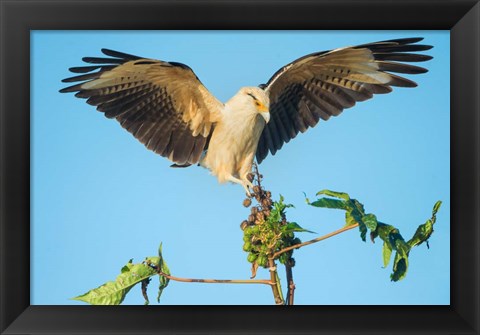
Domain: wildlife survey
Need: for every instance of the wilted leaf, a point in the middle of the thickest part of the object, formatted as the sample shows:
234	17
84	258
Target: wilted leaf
394	237
114	292
254	270
363	231
400	264
370	221
144	290
383	230
355	204
424	231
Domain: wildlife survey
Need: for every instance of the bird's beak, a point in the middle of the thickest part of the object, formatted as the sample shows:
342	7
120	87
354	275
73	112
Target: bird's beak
266	116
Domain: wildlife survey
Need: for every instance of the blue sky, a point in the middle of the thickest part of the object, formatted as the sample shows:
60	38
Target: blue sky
100	198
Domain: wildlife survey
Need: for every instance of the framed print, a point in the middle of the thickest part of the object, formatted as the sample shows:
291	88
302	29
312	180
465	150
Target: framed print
80	196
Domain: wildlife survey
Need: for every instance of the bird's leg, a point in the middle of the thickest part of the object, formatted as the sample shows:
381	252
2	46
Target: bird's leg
244	171
248	186
245	183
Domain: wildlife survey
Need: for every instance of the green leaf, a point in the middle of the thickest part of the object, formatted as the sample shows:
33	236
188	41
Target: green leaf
306	198
329	203
356	205
436	207
127	266
387	253
349	219
370	221
400	268
294	227
400	264
393	237
114	292
383	230
363	232
424	231
330	193
154	261
163	268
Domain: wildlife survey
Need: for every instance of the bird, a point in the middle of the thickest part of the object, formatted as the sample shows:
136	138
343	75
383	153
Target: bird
167	108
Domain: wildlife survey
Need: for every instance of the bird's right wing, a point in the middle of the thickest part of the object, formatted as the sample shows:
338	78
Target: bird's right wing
163	104
323	84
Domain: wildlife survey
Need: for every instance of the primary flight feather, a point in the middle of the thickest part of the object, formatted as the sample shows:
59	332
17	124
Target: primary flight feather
166	107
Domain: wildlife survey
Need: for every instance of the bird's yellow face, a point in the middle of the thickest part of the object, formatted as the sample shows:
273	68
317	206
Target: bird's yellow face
260	101
260	106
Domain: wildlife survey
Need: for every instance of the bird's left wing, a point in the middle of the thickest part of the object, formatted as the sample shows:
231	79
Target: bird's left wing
323	84
163	104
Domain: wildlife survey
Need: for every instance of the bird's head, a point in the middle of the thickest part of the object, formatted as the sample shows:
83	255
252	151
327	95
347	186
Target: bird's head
253	99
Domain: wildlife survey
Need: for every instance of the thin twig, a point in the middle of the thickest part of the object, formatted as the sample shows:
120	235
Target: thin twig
217	281
255	166
315	240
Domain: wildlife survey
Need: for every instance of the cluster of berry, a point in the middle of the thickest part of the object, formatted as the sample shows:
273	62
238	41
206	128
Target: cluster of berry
265	228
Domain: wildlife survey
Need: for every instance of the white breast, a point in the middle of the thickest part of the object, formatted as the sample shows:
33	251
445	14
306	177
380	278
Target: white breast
234	143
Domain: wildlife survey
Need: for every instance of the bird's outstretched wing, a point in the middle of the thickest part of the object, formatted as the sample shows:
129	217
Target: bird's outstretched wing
322	84
163	104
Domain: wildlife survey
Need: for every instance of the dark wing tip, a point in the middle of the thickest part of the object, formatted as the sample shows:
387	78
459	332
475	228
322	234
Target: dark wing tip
397	41
118	54
73	88
181	65
83	77
82	69
103	64
408	40
68	89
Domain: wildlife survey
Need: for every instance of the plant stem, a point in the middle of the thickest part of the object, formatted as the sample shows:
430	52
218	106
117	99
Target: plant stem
315	240
276	290
290	283
217	281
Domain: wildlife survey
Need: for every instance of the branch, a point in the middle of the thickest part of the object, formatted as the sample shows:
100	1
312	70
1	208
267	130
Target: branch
290	283
315	240
275	283
217	281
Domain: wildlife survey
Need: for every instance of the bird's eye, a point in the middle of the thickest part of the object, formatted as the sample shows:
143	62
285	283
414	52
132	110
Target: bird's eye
257	103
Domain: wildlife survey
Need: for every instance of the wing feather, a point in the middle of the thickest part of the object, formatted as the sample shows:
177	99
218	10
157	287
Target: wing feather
323	84
163	104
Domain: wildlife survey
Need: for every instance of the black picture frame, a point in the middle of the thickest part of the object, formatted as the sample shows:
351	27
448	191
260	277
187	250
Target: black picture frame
18	17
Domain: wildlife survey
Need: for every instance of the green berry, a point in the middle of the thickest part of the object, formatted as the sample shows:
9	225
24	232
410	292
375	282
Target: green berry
262	260
252	257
